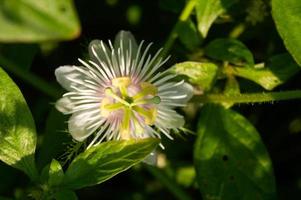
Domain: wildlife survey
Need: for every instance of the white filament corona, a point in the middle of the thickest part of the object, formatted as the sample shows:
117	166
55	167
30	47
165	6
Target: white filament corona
120	94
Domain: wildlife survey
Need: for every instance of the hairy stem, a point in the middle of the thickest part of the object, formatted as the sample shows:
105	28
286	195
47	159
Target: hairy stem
184	16
248	98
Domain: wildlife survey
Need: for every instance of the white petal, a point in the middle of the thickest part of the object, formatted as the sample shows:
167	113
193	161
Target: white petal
65	75
125	39
64	105
182	95
169	119
79	124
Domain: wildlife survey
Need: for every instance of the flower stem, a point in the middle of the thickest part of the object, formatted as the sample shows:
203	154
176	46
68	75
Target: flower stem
30	78
176	190
186	12
248	98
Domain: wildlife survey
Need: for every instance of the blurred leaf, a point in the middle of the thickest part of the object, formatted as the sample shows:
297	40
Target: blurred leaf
208	10
230	50
20	54
188	34
36	21
287	16
56	173
231	88
17	130
202	74
230	159
172	5
278	70
186	176
54	139
106	160
65	195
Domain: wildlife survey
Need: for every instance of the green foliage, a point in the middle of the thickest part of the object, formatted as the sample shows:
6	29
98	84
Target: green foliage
188	34
208	10
55	138
36	21
106	160
277	71
201	74
56	173
231	160
230	50
287	16
17	130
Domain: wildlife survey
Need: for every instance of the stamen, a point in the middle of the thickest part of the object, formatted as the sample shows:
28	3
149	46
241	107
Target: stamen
109	92
154	100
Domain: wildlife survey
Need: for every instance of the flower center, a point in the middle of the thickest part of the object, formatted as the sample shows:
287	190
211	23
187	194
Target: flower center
133	104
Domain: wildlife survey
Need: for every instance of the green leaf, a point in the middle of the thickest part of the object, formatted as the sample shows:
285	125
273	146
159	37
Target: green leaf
54	139
230	50
277	71
65	194
106	160
56	173
208	10
287	16
230	159
17	130
202	74
188	34
36	21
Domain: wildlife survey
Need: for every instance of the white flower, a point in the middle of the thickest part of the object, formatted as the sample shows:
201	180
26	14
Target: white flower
120	93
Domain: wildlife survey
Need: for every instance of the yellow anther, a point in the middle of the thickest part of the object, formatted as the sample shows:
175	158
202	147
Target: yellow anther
146	89
148	114
122	83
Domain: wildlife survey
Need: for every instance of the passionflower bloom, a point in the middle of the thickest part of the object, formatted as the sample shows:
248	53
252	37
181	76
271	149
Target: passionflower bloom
120	93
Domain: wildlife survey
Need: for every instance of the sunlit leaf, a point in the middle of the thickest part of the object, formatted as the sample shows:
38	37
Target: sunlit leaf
230	50
36	21
277	71
106	160
202	74
287	16
230	159
208	10
17	130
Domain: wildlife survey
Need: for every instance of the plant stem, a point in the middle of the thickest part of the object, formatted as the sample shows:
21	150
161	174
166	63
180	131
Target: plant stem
248	98
30	78
186	12
169	184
